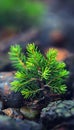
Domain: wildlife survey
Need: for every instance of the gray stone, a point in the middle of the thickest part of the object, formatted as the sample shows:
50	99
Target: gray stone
63	111
29	113
7	123
8	97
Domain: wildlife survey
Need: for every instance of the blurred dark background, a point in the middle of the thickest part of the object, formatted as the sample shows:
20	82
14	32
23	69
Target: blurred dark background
48	23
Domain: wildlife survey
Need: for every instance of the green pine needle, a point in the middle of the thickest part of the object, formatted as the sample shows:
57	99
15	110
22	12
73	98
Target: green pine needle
34	71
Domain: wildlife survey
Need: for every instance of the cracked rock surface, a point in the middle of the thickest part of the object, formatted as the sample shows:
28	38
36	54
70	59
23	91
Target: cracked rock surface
57	112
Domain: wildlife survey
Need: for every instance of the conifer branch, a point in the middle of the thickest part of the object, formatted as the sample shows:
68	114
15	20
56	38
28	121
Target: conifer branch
35	71
17	57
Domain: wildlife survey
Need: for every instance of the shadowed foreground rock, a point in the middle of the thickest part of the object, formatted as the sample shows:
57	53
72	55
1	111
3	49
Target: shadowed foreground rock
70	81
8	97
58	112
7	123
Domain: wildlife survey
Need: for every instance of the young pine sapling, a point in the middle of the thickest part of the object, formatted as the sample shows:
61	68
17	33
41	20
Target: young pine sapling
36	71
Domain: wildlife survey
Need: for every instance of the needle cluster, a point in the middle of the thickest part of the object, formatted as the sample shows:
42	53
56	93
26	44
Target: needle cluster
35	71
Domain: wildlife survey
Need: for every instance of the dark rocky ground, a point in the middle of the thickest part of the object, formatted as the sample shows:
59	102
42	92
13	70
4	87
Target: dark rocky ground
16	114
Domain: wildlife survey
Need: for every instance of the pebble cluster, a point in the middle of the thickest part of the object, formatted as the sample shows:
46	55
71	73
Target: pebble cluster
58	109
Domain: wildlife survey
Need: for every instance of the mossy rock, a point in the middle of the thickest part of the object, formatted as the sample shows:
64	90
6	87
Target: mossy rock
57	112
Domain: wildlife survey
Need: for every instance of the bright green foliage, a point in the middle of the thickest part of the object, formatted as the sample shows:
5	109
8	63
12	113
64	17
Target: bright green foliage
20	13
36	70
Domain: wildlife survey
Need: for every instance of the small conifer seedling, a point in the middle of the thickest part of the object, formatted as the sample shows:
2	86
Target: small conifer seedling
36	71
